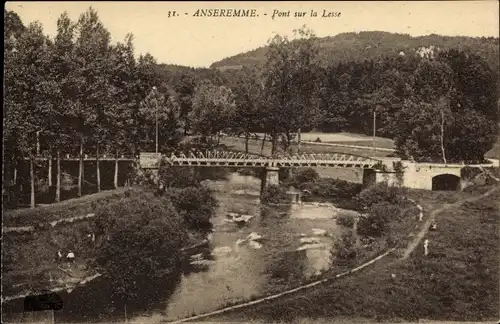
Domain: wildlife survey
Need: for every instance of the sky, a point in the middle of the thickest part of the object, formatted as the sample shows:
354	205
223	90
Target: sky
188	40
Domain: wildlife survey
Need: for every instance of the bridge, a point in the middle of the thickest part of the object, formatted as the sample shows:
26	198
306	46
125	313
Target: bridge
216	158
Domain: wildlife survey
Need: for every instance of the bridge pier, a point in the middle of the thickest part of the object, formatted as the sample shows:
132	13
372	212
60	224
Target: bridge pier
270	177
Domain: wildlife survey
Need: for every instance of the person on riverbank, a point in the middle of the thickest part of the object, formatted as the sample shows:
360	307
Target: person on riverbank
70	258
59	257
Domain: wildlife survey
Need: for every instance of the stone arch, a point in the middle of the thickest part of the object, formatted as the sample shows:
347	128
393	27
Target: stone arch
446	181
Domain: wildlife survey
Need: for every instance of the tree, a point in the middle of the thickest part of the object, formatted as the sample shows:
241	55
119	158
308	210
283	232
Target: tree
27	65
161	107
62	65
93	72
213	108
449	116
13	29
247	115
290	86
184	87
148	79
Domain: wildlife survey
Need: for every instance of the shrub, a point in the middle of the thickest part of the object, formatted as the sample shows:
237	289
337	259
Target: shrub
196	205
336	188
345	249
274	195
246	172
172	177
346	220
139	238
375	223
317	140
381	192
307	175
284	174
380	166
469	173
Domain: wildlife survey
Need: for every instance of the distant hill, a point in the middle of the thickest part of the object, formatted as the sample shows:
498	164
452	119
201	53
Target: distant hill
371	45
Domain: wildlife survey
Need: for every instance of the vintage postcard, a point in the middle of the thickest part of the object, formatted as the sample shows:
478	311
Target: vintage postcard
250	162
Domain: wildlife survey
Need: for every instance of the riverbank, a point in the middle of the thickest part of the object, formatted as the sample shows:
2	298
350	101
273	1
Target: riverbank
456	281
30	263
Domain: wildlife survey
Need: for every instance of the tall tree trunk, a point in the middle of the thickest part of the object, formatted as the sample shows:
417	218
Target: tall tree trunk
274	142
115	180
32	180
49	172
298	141
263	142
80	168
15	175
442	136
98	171
58	177
247	137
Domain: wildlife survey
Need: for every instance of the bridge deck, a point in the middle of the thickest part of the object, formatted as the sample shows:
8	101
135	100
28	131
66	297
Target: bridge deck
267	163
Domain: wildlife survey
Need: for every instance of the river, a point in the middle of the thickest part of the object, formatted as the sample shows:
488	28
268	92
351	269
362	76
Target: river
275	249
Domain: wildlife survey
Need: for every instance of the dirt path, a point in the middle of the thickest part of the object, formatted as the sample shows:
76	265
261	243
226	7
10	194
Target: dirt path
425	228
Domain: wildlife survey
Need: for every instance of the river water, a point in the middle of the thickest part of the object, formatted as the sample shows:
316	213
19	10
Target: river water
275	249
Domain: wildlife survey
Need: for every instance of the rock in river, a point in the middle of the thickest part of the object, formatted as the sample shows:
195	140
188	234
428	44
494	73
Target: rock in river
311	246
310	240
255	244
254	236
221	250
319	232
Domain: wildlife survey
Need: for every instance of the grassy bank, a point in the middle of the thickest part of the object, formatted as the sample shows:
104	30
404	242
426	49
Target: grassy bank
65	209
29	259
457	281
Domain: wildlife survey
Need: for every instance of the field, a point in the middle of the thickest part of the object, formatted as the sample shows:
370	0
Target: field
346	139
457	281
254	146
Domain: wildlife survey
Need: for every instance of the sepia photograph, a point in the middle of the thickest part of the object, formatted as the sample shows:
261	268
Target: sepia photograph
308	162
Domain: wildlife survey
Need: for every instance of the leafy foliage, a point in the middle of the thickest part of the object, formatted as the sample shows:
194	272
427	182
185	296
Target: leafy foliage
375	222
143	231
346	220
274	195
196	205
381	192
345	249
307	175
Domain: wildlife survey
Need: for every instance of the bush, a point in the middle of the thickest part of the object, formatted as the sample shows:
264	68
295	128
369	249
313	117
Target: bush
336	188
307	175
380	166
196	205
469	173
138	238
274	195
317	140
246	172
346	220
284	174
172	177
381	192
345	249
375	223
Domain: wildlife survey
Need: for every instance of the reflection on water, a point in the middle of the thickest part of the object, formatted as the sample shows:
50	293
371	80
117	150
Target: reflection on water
276	248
